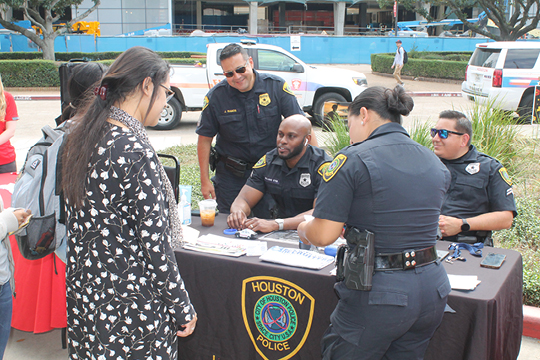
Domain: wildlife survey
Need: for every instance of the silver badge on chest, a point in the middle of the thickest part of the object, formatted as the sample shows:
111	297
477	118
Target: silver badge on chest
473	168
305	180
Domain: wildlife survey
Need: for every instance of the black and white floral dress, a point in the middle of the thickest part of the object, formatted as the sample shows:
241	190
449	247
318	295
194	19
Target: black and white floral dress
125	296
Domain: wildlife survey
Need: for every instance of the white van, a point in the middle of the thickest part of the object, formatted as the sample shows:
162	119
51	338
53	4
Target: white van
506	72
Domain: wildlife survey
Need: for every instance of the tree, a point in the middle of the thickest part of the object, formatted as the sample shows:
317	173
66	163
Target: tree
514	18
52	11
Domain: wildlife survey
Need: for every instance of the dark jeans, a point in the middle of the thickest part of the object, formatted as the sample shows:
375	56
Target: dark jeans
5	316
8	168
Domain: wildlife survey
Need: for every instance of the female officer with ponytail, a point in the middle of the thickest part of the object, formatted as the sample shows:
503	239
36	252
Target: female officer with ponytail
388	191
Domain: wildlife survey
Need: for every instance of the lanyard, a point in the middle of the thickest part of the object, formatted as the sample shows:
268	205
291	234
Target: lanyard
474	250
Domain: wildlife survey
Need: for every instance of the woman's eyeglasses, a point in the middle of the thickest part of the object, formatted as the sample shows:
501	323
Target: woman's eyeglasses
240	70
168	91
443	133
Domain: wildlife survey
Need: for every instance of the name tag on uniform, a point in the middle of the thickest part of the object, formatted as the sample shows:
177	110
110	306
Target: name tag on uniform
270	180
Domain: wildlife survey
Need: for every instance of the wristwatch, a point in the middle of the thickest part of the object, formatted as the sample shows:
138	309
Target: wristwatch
280	223
465	226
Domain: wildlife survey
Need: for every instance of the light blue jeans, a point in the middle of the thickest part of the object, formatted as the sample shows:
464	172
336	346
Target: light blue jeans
6	304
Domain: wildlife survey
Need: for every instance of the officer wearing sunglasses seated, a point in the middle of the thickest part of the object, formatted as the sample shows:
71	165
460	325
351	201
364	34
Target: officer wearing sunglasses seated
244	111
480	197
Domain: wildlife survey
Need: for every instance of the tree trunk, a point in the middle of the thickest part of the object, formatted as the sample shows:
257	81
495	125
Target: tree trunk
48	46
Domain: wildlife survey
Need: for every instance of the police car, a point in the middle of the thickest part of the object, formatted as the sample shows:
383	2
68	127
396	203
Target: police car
504	73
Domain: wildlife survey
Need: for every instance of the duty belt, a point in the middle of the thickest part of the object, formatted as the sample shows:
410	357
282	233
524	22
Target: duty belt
237	166
405	260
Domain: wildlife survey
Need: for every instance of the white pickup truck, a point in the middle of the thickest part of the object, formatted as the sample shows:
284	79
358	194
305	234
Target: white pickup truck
313	86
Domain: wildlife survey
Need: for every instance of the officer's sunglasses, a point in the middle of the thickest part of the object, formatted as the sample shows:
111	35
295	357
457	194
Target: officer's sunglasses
443	133
240	70
168	91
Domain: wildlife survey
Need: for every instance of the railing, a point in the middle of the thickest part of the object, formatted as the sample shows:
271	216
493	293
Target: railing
186	29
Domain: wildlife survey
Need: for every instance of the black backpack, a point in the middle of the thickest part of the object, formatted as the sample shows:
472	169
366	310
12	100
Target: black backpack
405	57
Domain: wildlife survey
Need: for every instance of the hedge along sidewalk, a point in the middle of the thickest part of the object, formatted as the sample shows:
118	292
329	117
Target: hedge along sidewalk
421	68
36	73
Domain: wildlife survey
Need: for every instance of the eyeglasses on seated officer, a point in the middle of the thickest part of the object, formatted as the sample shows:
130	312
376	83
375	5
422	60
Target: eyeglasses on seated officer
443	133
239	70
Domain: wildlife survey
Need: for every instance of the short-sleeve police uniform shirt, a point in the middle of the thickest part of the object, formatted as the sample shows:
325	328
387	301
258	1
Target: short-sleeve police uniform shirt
293	190
247	123
480	184
389	185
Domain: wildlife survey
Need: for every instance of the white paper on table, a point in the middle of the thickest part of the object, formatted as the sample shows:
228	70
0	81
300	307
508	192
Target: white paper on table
297	258
189	234
463	282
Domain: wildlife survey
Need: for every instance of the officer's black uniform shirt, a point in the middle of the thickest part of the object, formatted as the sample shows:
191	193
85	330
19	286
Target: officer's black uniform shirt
480	184
389	185
294	189
247	123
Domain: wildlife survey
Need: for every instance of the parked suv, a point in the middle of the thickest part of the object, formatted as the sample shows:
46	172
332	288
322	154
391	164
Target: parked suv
505	72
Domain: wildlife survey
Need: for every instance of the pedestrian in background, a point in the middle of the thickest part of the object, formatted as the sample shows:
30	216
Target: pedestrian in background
8	118
398	63
125	295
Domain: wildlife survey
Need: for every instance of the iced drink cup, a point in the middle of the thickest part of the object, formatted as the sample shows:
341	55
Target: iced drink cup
207	209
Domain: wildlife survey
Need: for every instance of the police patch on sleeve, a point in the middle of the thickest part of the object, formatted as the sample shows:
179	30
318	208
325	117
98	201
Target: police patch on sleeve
261	163
287	89
323	166
205	103
505	176
333	168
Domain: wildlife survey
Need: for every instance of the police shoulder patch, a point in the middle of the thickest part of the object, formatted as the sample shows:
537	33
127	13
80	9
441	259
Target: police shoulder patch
505	176
323	166
261	163
287	89
334	166
205	103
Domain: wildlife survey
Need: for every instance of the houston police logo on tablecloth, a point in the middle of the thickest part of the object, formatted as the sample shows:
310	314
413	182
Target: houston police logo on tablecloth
277	314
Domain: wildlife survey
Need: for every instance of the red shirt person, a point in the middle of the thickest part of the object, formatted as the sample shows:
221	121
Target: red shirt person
8	116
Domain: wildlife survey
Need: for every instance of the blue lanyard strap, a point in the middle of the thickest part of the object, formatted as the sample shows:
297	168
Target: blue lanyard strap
474	249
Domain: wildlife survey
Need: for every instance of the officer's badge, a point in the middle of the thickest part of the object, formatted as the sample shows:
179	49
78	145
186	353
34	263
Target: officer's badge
287	89
505	176
205	103
264	99
261	163
333	168
305	180
323	166
473	168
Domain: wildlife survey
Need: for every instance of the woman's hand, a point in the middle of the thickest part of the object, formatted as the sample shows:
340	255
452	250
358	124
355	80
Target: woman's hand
189	328
22	215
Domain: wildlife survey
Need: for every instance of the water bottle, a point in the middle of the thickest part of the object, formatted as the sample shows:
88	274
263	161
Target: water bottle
185	209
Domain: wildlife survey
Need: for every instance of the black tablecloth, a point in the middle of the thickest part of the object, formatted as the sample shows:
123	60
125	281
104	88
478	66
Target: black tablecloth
249	309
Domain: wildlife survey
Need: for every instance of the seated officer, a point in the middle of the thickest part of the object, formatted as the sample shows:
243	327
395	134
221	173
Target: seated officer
291	173
480	197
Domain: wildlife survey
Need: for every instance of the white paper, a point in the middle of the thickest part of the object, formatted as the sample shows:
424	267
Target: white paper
463	282
189	234
297	258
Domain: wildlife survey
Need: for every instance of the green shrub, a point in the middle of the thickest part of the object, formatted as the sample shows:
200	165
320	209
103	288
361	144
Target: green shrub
421	64
29	73
524	236
111	55
21	55
338	138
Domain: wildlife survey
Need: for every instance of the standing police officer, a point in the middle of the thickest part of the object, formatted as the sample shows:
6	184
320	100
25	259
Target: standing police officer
388	190
244	111
480	197
291	173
